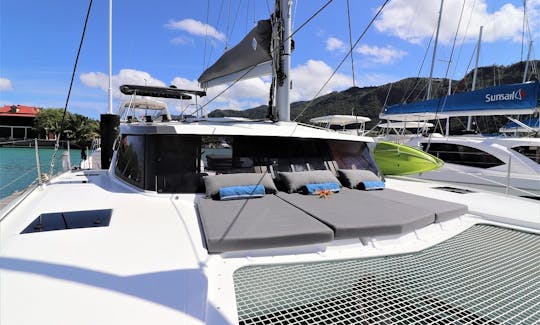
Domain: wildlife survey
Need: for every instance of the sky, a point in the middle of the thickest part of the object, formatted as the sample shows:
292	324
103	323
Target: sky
164	42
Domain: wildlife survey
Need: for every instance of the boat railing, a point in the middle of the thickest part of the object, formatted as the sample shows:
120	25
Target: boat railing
10	201
506	185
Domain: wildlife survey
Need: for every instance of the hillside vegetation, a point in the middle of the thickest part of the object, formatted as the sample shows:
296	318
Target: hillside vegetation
369	101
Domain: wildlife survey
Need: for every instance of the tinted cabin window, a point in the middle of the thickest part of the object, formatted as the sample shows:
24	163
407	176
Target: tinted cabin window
531	152
283	154
130	161
177	164
352	155
462	155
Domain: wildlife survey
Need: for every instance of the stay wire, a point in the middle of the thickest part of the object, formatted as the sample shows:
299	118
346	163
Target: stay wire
276	47
350	41
343	60
57	144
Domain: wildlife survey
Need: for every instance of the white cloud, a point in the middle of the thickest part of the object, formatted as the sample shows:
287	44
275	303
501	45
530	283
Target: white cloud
416	20
308	79
333	44
5	84
181	40
195	27
125	76
386	54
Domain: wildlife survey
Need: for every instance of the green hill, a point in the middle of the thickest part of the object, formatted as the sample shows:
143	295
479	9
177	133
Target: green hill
368	101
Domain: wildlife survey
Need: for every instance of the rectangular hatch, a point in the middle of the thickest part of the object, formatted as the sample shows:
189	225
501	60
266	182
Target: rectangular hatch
69	220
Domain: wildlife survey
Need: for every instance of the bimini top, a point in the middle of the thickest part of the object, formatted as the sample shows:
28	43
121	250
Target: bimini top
519	98
340	120
405	125
163	92
235	126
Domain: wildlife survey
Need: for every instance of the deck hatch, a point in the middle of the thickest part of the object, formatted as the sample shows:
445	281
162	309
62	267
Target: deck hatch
485	275
69	220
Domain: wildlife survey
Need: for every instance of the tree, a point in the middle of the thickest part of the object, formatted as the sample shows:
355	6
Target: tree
81	129
48	121
77	128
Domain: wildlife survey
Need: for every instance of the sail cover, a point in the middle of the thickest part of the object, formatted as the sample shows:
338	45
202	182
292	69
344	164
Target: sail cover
250	58
519	98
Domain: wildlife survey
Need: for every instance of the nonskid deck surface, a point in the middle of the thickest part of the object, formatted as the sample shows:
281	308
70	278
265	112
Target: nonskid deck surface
485	275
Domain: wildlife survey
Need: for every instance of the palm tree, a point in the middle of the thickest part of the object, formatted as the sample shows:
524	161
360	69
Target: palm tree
81	129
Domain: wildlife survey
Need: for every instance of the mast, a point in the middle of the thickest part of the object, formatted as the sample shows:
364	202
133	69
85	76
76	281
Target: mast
477	58
110	58
434	52
283	79
469	118
527	62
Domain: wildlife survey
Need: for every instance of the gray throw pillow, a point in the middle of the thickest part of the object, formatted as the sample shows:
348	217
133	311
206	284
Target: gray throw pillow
214	182
294	181
352	177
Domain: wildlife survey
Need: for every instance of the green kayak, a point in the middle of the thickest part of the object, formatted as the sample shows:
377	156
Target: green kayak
399	159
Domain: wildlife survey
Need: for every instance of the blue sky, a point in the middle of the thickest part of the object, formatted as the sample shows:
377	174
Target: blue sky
163	42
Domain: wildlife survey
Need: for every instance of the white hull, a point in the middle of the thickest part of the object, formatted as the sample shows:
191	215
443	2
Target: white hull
149	267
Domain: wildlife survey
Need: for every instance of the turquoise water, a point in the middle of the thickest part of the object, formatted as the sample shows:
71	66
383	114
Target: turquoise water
18	167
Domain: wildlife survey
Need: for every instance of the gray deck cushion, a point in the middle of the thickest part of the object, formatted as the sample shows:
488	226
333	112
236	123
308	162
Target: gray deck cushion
443	210
258	223
294	181
214	182
352	177
353	213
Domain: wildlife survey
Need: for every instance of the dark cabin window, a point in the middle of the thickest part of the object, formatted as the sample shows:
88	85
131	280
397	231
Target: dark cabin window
283	154
462	155
130	161
352	155
531	152
177	164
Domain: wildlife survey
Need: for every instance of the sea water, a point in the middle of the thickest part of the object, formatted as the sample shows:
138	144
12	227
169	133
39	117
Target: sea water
18	167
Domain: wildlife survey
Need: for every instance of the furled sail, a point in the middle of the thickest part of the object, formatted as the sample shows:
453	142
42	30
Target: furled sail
521	98
249	59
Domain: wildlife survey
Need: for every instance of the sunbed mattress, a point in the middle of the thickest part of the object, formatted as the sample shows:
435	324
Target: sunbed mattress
354	213
265	222
443	210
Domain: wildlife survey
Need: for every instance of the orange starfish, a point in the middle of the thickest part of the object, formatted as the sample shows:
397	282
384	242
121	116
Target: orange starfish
323	194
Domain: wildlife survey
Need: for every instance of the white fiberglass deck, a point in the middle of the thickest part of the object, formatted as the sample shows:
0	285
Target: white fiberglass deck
485	275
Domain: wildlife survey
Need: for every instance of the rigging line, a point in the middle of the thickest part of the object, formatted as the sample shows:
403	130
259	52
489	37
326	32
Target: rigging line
28	171
276	47
470	62
344	58
294	13
311	18
217	27
455	39
417	82
350	41
523	28
227	35
463	39
268	8
227	88
236	16
206	33
57	144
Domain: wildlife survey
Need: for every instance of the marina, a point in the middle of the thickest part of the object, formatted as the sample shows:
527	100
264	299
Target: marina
196	219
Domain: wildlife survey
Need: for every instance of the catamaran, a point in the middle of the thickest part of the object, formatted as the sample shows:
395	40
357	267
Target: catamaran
285	224
495	162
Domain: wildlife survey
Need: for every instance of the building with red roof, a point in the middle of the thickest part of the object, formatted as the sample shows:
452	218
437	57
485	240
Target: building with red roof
16	121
